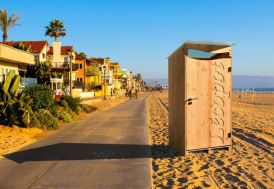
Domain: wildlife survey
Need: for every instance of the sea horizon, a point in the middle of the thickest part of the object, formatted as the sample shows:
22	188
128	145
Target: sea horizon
239	82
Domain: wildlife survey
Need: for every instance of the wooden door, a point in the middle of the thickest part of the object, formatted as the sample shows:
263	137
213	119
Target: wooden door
197	103
220	120
207	103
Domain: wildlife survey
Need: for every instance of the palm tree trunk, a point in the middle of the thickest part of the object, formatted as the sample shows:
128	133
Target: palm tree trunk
5	37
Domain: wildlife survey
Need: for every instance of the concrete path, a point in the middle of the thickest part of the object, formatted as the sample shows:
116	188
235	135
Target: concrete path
107	149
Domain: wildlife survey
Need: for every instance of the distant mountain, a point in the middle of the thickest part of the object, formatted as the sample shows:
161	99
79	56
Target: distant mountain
238	81
153	82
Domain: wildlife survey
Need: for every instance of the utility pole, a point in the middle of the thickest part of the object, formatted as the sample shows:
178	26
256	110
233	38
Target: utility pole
104	68
70	74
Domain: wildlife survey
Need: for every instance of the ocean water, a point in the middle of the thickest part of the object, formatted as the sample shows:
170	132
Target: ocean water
154	82
255	89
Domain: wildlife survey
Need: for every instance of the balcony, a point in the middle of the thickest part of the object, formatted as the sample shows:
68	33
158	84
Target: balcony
92	72
78	84
63	66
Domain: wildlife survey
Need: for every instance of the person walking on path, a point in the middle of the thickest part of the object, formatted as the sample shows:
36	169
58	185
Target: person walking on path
67	90
130	93
58	94
111	92
136	93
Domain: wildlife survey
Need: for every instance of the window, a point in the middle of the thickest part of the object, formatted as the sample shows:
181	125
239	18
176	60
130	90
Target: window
43	55
80	66
66	76
65	59
79	79
36	58
100	68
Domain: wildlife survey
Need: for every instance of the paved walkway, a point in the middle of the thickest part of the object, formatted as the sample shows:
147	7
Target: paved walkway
106	149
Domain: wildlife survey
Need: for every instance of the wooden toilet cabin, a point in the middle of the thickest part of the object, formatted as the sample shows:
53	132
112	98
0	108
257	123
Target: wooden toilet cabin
200	92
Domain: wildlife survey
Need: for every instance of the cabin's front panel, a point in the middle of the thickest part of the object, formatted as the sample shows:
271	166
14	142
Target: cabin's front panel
208	103
197	103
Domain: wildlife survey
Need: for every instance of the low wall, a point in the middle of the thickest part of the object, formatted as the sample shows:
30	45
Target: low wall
86	94
92	102
81	94
76	92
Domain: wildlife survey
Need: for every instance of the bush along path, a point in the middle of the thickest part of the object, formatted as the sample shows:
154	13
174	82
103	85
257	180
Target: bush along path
33	107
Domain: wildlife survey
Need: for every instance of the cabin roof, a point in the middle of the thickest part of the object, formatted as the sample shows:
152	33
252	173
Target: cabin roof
206	46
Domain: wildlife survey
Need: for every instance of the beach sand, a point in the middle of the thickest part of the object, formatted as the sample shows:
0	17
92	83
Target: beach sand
248	165
13	138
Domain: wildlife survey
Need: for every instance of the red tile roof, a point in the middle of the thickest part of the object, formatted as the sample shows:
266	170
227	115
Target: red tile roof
36	46
97	60
64	50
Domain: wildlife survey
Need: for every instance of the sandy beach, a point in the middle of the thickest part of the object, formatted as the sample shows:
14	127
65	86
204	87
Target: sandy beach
249	165
12	138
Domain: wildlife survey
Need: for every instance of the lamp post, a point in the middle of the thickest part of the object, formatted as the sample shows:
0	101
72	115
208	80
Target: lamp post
104	68
70	73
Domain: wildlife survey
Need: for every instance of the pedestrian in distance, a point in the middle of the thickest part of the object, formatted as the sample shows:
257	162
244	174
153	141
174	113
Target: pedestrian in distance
58	94
130	93
67	90
136	93
126	93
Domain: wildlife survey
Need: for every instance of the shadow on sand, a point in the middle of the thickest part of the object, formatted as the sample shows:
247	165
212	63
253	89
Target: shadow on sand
83	151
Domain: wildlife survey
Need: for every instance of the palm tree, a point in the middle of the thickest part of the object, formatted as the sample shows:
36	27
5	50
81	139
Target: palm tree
22	47
139	77
82	55
55	29
7	22
42	72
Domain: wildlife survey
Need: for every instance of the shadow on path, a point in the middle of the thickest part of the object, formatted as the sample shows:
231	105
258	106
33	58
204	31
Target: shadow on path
84	151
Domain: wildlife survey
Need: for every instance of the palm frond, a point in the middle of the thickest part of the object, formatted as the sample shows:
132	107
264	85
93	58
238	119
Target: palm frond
55	29
13	19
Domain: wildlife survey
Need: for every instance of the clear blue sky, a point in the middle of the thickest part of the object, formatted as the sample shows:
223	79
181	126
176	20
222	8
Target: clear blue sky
141	34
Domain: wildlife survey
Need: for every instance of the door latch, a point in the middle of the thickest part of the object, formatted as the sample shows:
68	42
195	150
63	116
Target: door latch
189	100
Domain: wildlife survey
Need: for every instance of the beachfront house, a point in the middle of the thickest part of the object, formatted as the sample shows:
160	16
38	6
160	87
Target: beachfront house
12	59
61	58
93	76
38	48
127	79
80	77
117	75
106	75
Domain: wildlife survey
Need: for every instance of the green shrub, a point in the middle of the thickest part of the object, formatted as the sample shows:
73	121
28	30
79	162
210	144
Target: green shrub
60	113
34	121
66	117
46	120
42	96
87	108
54	112
14	104
64	104
73	102
71	113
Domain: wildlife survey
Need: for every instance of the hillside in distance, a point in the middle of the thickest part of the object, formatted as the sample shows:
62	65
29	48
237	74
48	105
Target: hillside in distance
239	81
